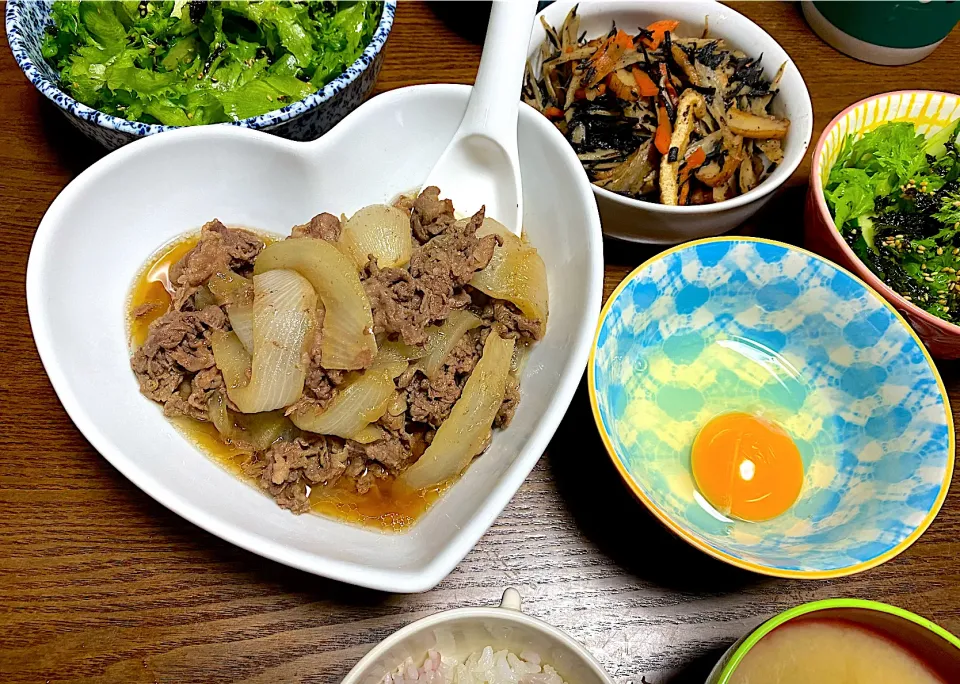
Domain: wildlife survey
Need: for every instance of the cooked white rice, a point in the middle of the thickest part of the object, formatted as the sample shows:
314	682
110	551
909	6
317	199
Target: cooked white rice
482	667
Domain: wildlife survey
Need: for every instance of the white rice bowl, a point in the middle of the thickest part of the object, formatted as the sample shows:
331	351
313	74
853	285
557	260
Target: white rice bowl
480	667
486	645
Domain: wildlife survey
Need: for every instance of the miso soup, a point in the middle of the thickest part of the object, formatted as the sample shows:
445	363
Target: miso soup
830	652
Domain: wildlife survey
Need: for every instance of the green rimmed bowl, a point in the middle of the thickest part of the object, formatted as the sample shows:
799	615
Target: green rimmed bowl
935	646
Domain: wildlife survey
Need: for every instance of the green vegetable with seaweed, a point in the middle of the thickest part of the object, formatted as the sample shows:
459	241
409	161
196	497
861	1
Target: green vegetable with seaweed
186	63
894	195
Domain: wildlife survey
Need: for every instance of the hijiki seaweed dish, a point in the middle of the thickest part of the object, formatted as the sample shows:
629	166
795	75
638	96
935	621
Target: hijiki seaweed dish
372	355
656	116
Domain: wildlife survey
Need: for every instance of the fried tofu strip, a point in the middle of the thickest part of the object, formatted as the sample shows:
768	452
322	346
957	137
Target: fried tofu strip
691	106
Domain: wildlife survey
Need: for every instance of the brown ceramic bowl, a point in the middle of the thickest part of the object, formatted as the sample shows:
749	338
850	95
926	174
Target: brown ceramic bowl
930	111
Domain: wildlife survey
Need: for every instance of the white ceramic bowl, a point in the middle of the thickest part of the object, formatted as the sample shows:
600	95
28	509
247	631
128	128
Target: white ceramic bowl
458	633
103	227
649	222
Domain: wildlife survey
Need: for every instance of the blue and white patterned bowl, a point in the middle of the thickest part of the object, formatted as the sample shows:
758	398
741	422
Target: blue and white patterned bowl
739	324
306	119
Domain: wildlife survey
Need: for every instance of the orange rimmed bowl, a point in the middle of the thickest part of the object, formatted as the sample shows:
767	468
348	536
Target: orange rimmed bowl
765	328
930	111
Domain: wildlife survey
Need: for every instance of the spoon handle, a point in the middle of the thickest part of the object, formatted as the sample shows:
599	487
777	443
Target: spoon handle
492	111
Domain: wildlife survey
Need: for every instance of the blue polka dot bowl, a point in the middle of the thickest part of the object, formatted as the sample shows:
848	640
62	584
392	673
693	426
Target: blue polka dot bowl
740	324
306	119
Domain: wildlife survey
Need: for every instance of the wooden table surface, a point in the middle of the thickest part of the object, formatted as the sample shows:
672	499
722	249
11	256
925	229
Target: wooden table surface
100	583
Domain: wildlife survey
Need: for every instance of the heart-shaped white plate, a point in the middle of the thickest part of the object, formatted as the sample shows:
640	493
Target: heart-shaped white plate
102	228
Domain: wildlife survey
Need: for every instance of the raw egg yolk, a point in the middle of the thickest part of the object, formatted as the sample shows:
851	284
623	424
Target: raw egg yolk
746	467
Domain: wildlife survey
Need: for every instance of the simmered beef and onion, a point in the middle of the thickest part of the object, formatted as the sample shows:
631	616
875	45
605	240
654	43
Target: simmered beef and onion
656	116
383	348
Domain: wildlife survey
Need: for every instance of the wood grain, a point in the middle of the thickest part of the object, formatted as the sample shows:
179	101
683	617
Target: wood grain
98	583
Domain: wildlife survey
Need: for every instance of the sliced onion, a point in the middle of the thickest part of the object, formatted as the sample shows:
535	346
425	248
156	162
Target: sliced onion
517	274
203	298
283	315
519	360
259	430
236	292
262	429
241	320
368	434
359	402
398	406
465	432
493	227
232	358
348	342
408	351
231	288
221	418
443	338
392	359
379	230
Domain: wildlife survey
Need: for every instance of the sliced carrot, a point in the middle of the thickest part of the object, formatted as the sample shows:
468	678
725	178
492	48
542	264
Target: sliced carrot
664	25
598	54
601	48
623	40
684	194
597	64
659	30
664	131
579	94
644	83
553	113
605	59
692	163
696	158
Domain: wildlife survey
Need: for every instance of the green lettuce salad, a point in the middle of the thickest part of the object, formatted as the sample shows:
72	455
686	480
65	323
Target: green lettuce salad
183	63
894	195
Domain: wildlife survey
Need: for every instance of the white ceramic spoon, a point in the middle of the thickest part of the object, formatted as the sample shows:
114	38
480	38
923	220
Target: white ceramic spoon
480	165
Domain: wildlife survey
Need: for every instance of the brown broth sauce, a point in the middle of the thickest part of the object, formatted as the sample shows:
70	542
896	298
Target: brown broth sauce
152	286
387	506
